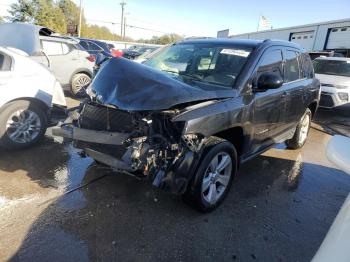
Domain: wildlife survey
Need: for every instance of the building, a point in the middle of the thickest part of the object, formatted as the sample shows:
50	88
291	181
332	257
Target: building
331	35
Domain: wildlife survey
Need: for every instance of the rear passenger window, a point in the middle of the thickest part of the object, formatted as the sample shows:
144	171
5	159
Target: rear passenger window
5	62
52	48
291	69
271	61
306	67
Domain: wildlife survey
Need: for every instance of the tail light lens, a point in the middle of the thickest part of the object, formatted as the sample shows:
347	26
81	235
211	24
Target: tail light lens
116	52
91	58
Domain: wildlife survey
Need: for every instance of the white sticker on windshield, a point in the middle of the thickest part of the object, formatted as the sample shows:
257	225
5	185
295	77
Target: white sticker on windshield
235	52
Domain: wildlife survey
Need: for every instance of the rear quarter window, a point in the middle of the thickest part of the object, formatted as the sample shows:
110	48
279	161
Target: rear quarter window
5	62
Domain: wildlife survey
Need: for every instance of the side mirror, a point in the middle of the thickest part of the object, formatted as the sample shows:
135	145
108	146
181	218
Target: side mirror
269	80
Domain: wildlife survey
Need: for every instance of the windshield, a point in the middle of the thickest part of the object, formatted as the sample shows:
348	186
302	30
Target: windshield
332	67
213	64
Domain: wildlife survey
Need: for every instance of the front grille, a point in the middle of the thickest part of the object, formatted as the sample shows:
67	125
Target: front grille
326	100
102	118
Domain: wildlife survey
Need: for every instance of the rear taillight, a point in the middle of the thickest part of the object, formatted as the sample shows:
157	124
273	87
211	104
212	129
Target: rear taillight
91	58
116	52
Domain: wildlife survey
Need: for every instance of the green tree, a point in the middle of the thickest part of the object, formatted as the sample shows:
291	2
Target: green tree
48	14
22	11
1	20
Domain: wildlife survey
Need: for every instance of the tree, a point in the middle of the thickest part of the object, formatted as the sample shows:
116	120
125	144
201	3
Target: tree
1	20
49	15
22	11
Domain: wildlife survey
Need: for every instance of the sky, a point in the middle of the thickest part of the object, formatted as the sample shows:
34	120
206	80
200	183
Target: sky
206	17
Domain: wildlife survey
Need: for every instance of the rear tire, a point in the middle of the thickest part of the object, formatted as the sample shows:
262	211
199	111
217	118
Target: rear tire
210	184
301	132
79	81
22	124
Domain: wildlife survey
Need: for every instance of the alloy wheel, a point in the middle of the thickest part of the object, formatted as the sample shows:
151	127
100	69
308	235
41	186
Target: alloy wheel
23	126
216	177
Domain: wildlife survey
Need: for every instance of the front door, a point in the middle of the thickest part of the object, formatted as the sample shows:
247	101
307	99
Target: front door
270	105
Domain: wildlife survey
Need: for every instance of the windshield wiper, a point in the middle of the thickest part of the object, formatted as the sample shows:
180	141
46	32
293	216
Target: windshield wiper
170	71
195	77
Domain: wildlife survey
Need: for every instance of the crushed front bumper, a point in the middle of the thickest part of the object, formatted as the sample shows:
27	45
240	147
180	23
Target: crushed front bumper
92	136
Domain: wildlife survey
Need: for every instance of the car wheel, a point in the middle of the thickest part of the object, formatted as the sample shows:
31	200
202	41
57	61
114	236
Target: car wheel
214	176
301	132
22	124
79	81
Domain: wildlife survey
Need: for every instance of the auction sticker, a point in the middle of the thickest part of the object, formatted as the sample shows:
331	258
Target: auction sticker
236	52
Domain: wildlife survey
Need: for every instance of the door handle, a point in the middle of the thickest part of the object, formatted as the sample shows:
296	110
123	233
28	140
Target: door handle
284	94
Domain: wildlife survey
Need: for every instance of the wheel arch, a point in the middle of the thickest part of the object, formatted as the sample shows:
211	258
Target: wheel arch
235	135
313	108
34	100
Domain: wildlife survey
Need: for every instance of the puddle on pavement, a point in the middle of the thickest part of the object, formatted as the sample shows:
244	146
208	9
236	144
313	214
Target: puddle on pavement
50	165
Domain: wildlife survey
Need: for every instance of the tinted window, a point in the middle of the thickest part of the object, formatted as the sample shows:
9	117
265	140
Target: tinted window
52	48
332	67
306	67
94	47
271	61
5	62
291	69
84	44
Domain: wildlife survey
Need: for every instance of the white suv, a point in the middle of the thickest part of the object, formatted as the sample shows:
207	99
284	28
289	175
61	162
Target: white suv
334	75
28	91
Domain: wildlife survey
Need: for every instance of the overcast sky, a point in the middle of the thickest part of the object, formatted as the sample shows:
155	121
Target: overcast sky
206	17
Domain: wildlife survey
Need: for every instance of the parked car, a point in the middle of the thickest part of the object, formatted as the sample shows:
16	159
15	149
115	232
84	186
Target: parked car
334	75
28	92
96	47
188	128
136	52
145	56
71	65
315	54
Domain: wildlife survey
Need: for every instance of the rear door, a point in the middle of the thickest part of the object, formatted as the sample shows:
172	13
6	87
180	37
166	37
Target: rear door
269	106
295	84
63	59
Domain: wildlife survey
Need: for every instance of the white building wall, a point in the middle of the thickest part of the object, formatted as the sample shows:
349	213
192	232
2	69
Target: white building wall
320	32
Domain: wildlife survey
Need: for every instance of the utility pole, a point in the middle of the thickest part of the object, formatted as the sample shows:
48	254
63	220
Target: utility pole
80	17
122	19
124	27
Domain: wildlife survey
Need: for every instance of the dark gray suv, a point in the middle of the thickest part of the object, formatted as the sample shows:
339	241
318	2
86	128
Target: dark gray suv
192	113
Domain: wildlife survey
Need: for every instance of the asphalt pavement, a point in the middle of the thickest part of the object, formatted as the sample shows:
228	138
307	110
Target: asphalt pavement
57	206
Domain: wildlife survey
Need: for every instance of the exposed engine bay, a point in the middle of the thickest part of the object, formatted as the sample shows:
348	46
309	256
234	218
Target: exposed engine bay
151	145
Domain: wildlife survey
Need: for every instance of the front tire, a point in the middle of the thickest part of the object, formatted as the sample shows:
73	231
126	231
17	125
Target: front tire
301	132
22	124
213	178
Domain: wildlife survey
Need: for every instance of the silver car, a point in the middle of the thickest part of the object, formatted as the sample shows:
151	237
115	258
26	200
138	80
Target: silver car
69	62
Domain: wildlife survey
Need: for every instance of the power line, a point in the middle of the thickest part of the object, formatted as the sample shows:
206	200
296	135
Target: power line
130	26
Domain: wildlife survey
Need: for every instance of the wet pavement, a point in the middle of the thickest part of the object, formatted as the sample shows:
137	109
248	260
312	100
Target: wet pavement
57	206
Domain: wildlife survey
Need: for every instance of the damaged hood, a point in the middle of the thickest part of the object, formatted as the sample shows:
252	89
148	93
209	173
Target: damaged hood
136	87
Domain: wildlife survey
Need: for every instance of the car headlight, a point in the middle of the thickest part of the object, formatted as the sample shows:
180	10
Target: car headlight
343	96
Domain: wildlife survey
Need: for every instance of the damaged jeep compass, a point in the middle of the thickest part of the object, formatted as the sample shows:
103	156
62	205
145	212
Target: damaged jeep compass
189	116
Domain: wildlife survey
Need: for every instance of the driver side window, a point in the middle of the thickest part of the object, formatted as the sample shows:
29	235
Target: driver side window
271	61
